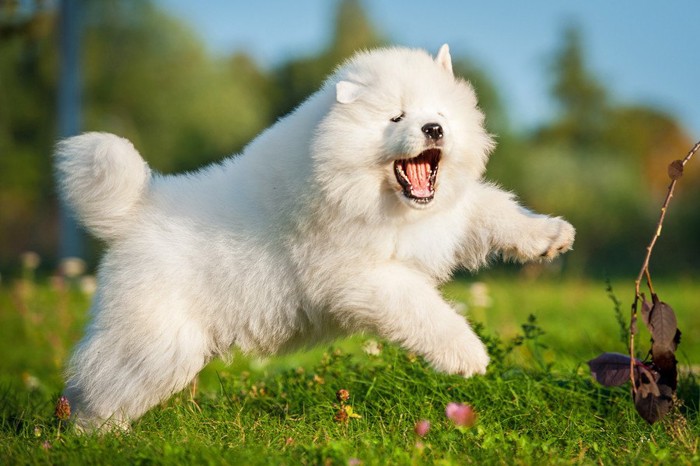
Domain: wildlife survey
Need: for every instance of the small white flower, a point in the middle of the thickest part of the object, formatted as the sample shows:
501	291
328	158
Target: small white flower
72	267
30	382
479	292
460	307
88	285
372	347
30	260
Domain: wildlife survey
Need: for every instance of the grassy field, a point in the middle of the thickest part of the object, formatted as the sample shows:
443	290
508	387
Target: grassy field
536	405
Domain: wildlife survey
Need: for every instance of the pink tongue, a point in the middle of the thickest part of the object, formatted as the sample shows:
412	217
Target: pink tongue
418	174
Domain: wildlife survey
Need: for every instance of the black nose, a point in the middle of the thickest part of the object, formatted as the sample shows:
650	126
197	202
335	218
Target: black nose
432	131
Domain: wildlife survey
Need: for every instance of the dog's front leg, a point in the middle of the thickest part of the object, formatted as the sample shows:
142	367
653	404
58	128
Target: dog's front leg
517	233
403	307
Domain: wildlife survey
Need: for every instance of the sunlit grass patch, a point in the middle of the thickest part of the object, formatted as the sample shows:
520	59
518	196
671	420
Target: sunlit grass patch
537	403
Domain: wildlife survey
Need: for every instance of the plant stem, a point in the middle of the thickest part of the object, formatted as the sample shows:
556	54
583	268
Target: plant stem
645	265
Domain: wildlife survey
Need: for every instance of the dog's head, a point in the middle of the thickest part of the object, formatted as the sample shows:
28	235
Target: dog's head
403	133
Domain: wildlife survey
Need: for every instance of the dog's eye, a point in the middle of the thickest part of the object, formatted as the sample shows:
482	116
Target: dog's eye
396	119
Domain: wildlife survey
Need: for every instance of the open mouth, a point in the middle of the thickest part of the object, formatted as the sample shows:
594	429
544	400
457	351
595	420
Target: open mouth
417	175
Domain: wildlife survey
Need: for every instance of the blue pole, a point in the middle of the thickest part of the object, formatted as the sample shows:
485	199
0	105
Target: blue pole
69	112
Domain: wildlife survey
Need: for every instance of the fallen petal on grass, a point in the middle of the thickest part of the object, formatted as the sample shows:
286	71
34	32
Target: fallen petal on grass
463	415
372	348
422	427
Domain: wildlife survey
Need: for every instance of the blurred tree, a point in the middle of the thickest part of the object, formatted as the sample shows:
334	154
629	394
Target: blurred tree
27	127
146	77
297	79
581	99
505	161
489	99
149	78
600	164
678	249
71	237
353	31
652	138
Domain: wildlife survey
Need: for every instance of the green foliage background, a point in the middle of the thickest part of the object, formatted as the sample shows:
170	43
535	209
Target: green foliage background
148	77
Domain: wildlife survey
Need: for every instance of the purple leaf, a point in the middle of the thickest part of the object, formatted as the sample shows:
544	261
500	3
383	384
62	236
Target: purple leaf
662	325
611	369
645	381
653	397
676	340
653	407
646	310
664	360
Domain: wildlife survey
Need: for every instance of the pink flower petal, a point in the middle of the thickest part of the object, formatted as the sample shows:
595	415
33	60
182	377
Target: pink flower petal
422	427
462	415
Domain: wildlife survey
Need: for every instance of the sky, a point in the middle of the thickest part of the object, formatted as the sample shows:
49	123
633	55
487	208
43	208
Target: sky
643	51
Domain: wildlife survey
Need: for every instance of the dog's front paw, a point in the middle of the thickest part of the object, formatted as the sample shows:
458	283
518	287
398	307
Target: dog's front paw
541	238
561	238
466	356
476	363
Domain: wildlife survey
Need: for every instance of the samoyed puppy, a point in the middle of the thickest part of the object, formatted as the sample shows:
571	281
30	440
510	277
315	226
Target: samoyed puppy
342	217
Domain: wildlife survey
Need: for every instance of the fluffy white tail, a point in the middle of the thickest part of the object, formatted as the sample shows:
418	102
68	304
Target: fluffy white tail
103	178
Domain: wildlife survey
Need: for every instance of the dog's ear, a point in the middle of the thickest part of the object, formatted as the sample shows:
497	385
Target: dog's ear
444	59
347	92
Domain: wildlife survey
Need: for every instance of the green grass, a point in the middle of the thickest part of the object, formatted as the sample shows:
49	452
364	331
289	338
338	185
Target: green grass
537	404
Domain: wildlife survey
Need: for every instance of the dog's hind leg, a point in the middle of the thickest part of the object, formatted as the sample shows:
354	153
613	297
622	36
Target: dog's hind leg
117	374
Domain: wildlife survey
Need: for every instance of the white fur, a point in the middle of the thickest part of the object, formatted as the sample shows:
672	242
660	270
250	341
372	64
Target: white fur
303	237
103	178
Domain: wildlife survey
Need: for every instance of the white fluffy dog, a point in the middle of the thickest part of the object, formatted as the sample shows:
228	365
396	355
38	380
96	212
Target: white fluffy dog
342	217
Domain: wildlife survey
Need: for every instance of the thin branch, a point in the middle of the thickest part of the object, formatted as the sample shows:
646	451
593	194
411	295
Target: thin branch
645	265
